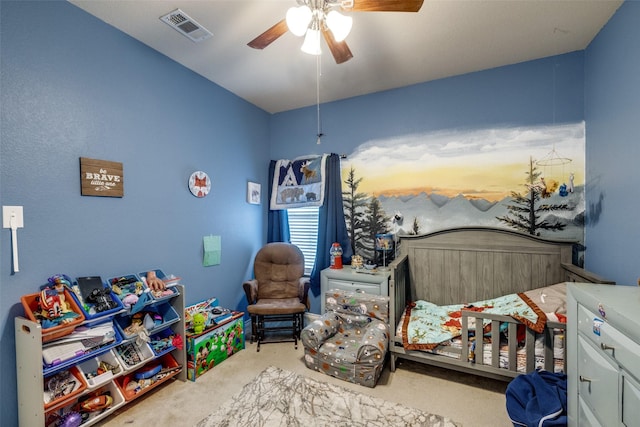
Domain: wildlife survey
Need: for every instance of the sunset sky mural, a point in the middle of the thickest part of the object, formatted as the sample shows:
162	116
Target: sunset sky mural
476	163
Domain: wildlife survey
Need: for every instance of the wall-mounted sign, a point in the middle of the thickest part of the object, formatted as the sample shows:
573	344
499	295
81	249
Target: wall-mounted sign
101	178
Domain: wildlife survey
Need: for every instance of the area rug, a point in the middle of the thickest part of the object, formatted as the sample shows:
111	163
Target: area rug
277	397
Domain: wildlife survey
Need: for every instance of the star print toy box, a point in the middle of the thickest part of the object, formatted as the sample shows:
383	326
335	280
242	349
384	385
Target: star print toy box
214	345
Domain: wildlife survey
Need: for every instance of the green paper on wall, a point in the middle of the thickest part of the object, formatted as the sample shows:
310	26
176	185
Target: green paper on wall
212	250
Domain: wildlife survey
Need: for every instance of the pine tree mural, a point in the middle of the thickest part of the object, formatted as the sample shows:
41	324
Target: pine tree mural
525	210
415	228
375	222
354	208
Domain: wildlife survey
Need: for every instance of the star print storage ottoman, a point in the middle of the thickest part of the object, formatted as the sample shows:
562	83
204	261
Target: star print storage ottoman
349	341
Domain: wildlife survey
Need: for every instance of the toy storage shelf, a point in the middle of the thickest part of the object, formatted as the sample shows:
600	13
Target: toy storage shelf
31	372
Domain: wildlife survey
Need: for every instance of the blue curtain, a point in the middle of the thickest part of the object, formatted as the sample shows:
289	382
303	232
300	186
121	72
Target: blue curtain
331	223
278	220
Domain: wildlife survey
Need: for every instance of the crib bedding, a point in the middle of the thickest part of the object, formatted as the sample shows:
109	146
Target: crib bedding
427	325
438	331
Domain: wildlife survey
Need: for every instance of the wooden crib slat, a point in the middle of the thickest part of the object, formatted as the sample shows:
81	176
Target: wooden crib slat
495	343
530	344
464	348
512	332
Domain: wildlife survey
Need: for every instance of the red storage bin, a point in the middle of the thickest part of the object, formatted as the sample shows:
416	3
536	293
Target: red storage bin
30	305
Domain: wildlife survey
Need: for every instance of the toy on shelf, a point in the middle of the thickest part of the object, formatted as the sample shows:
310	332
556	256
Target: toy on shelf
60	282
160	285
164	341
198	323
87	409
148	321
133	355
62	386
69	419
205	315
54	308
94	403
128	288
147	377
94	296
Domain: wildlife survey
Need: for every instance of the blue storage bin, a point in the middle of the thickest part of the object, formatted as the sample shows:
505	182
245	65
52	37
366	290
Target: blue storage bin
167	314
169	281
161	342
89	308
49	369
128	288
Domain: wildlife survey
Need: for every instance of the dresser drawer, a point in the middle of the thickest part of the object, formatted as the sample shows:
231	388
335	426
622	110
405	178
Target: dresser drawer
369	288
630	402
585	416
589	324
621	348
597	383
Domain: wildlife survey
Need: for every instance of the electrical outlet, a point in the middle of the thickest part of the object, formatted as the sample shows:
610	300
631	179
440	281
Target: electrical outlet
12	211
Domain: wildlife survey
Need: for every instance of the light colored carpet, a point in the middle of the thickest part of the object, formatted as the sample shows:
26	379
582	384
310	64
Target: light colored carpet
468	399
278	397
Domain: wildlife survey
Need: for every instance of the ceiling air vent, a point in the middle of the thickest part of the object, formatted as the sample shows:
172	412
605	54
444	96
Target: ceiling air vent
185	25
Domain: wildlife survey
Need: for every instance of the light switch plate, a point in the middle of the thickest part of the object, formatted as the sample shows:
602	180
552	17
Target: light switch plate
7	212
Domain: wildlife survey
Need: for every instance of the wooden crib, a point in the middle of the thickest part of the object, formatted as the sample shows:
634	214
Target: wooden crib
468	264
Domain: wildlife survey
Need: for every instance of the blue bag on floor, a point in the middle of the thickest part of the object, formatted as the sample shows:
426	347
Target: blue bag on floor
538	399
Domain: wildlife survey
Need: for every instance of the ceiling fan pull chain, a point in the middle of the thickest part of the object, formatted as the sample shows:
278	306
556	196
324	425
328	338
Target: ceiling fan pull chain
318	74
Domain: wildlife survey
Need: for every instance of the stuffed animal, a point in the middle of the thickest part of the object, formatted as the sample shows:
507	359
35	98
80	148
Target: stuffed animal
198	323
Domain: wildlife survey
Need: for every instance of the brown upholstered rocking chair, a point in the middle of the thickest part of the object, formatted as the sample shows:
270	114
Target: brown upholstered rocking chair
279	292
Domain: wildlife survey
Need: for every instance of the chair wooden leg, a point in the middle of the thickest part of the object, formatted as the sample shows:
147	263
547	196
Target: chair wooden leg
254	328
260	332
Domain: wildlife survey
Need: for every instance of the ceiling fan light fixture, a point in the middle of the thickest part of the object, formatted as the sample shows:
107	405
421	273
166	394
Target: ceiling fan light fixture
339	24
311	43
298	19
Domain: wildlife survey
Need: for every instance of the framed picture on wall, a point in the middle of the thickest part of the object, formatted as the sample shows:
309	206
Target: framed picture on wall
253	193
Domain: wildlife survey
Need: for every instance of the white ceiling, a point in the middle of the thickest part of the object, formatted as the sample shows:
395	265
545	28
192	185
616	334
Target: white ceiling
390	49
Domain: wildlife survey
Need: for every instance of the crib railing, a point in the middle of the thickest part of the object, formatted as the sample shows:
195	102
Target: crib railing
497	321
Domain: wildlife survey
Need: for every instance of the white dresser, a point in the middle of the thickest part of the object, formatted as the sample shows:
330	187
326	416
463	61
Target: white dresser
348	279
603	352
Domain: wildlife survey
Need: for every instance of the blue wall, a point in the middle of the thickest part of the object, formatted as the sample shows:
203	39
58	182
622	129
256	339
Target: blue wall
522	94
72	86
612	110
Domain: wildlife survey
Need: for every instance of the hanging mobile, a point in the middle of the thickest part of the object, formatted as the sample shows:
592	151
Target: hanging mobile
551	184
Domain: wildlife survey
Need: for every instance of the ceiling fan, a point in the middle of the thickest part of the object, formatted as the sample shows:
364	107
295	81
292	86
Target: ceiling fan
314	17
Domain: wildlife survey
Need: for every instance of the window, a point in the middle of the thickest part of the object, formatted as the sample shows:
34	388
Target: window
303	227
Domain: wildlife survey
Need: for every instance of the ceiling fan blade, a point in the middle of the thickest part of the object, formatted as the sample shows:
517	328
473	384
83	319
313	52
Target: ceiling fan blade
339	50
384	5
269	36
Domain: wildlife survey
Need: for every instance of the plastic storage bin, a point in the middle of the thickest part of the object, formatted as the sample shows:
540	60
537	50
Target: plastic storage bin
147	378
90	309
162	342
132	355
162	315
63	386
30	305
108	396
81	356
170	282
99	370
128	288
